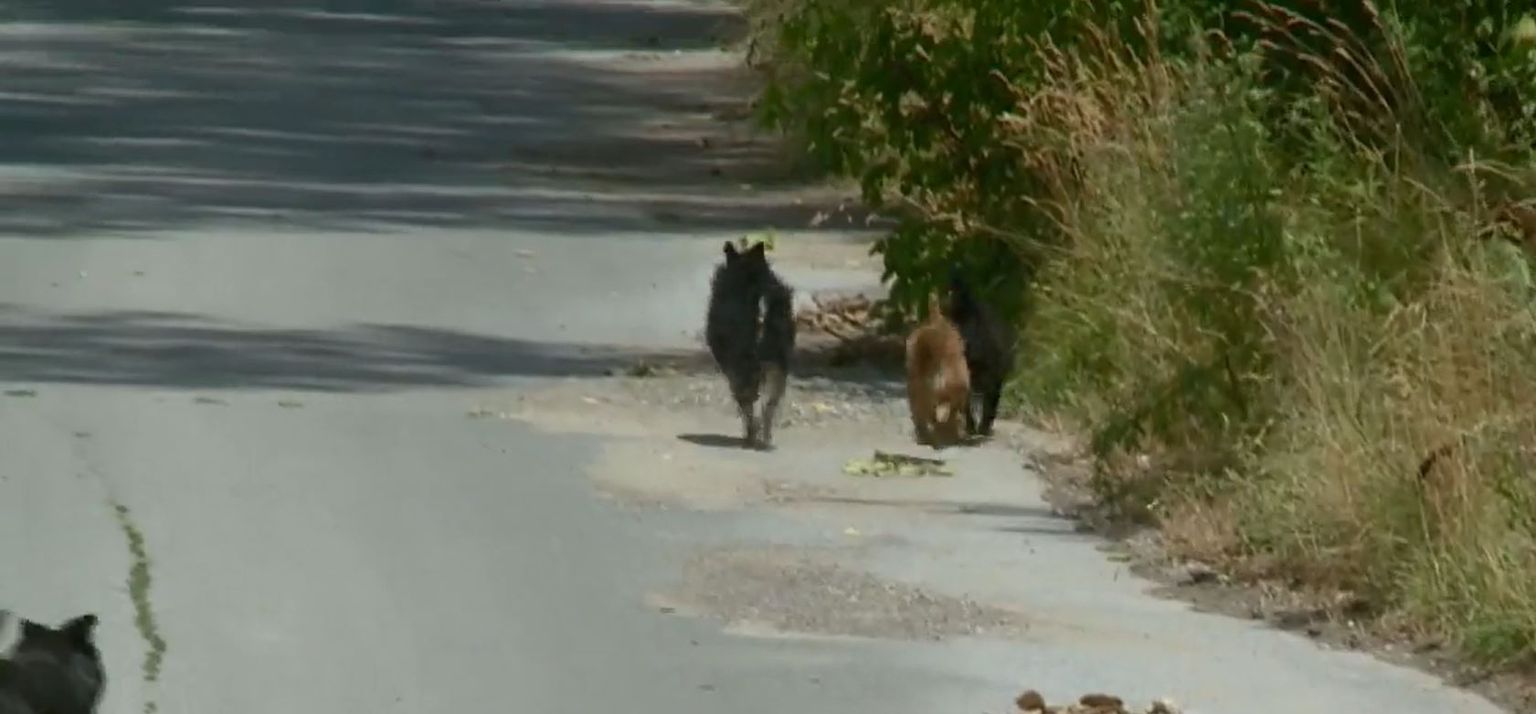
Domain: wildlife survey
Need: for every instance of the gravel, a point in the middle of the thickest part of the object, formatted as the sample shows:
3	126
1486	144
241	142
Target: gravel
787	590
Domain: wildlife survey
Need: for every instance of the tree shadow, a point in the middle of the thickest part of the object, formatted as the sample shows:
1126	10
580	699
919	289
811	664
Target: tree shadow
576	117
181	351
188	351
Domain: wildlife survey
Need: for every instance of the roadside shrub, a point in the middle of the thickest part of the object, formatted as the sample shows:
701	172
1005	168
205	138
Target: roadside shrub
1262	253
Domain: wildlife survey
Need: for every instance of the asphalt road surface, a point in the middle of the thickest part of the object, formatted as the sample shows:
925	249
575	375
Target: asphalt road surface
304	322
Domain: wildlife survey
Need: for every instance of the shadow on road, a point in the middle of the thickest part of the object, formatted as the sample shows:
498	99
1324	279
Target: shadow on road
714	441
571	117
188	352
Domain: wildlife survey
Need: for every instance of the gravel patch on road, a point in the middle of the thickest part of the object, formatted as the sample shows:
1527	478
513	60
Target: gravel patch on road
789	591
811	400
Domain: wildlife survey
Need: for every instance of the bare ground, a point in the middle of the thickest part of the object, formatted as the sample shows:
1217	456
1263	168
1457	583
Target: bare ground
795	592
1332	620
786	590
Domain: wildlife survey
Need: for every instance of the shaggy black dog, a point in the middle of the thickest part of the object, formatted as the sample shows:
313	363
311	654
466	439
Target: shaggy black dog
50	671
751	333
990	345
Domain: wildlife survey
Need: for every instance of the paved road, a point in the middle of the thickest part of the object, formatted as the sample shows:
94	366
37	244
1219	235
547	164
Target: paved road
258	264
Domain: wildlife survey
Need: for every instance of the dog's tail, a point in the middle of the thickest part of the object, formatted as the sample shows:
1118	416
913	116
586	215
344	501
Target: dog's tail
778	336
925	350
935	307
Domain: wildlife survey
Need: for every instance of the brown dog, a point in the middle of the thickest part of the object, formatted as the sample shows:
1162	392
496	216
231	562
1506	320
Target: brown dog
938	382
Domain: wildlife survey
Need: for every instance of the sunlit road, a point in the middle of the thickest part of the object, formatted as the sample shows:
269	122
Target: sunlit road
259	265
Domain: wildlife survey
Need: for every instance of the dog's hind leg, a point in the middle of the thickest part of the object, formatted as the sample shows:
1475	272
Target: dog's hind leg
991	396
744	390
916	409
749	426
745	400
776	379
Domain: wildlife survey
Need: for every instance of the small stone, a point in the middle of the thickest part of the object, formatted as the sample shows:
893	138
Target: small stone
1101	701
1030	701
1163	706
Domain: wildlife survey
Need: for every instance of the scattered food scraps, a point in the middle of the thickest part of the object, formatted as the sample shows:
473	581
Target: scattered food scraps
1031	702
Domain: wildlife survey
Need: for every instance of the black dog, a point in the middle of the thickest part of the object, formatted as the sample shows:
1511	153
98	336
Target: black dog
990	344
50	671
750	330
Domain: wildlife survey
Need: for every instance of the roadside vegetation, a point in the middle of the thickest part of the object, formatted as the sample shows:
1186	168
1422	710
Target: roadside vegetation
1273	260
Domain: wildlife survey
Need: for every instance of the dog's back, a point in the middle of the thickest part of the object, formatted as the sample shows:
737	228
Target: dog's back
938	381
777	338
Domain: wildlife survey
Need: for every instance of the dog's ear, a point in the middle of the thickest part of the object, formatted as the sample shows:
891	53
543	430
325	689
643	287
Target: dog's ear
730	251
32	630
956	278
758	250
935	304
81	629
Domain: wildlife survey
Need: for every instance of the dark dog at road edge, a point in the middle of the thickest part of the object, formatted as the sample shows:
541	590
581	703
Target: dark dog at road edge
990	350
47	670
750	330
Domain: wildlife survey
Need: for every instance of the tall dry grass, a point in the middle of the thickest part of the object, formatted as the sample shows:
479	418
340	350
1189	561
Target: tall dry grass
1327	361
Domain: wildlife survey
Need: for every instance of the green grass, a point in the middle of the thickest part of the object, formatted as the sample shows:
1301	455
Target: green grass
139	581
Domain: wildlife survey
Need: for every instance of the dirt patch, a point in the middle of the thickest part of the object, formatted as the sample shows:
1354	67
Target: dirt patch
685	396
1333	621
789	591
652	474
574	406
648	460
811	401
647	474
